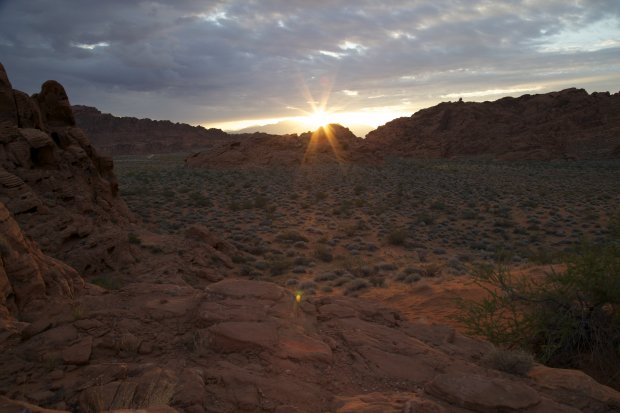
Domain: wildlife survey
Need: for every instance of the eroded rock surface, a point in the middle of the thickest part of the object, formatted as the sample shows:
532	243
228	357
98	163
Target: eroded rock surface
61	191
243	345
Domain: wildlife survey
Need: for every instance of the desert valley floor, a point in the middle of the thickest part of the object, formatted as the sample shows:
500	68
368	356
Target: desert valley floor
348	229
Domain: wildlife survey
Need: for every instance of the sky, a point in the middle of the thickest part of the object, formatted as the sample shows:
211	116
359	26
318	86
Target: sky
233	64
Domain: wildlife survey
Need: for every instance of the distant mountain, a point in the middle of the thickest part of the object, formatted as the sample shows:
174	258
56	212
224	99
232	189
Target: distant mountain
115	135
557	125
290	127
329	144
566	124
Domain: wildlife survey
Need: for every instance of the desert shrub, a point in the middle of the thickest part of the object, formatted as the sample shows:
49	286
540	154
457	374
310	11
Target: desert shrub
323	253
355	285
469	214
292	236
431	270
426	218
327	276
260	201
320	196
134	239
359	189
397	236
307	285
566	319
438	205
411	278
516	362
238	259
614	225
341	281
377	281
278	266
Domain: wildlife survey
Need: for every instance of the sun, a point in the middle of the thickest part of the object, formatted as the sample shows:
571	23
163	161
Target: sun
317	119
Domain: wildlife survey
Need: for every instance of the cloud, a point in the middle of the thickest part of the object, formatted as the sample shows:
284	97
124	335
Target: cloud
214	61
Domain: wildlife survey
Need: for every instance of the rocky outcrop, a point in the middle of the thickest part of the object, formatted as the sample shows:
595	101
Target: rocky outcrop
61	191
115	135
242	345
328	144
559	125
29	279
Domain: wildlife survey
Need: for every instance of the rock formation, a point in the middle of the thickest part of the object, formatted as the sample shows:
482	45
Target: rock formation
60	190
329	144
29	279
558	125
114	135
245	345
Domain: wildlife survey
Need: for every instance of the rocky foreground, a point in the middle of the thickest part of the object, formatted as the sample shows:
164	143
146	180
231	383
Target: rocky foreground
161	344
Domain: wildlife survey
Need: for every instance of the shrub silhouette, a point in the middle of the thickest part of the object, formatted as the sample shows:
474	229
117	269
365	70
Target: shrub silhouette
568	318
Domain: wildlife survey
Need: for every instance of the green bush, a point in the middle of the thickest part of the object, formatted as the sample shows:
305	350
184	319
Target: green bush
566	319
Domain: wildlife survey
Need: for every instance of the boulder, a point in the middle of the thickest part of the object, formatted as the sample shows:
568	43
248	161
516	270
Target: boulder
54	104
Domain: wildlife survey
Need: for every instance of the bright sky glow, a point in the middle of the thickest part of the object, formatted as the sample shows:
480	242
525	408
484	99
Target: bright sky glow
90	46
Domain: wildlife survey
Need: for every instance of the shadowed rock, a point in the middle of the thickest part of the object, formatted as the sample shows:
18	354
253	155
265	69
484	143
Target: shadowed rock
60	190
115	135
558	125
330	144
54	105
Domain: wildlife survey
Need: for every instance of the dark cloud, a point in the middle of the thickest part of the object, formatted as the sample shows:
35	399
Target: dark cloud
202	61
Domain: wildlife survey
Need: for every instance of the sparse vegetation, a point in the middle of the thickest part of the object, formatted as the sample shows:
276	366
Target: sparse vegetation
398	236
323	253
569	318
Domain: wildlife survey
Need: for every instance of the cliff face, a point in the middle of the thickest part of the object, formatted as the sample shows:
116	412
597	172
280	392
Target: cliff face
61	191
130	136
566	124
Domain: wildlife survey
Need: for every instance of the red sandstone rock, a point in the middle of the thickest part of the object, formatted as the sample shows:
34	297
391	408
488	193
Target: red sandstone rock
40	150
79	353
115	135
328	144
557	125
483	394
